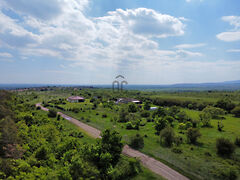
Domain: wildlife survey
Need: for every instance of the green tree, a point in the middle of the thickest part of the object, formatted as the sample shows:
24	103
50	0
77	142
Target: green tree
205	119
137	141
111	142
193	134
167	136
224	147
236	111
132	108
160	124
146	105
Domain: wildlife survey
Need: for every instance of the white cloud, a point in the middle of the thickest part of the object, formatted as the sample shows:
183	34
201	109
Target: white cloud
146	22
189	46
233	20
233	50
5	55
229	36
234	34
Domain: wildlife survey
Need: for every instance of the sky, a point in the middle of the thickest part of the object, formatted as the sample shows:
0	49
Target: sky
93	41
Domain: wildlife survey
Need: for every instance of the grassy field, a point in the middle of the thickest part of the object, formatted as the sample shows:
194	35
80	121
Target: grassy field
196	161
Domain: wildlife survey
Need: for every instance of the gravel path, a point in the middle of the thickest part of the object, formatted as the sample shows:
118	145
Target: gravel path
147	161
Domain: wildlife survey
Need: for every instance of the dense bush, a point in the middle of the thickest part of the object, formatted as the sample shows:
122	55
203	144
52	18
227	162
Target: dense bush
137	142
52	113
193	134
224	147
205	119
160	124
225	104
237	141
145	114
132	108
236	111
214	112
167	136
177	150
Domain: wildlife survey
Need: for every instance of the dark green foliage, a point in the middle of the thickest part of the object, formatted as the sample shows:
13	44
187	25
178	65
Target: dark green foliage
161	112
228	173
104	115
111	142
160	124
236	111
52	113
177	150
224	147
167	136
182	116
178	140
220	126
146	106
237	141
123	115
42	153
169	119
137	141
145	114
193	134
225	104
132	108
205	119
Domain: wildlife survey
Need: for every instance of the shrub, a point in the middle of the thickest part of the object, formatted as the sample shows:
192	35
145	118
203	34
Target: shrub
104	115
145	114
178	140
137	142
236	111
237	141
181	126
188	125
132	108
193	134
52	113
167	136
170	119
224	147
205	119
177	150
38	108
214	112
160	124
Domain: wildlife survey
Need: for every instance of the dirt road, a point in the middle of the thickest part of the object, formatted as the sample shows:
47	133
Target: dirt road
147	161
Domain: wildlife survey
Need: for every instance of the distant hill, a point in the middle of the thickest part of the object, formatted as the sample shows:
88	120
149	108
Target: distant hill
216	86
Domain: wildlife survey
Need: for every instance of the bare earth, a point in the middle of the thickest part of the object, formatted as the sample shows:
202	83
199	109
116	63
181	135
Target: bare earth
147	161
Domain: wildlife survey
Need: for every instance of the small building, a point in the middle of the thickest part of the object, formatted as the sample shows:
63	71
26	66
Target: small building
127	100
153	108
75	99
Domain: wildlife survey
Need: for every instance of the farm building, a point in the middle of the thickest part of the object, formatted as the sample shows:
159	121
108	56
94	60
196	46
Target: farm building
153	108
127	100
75	99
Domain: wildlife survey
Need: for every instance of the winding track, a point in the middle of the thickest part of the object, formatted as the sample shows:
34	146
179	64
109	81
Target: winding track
147	161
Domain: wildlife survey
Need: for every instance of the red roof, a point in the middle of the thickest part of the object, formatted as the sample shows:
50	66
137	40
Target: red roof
76	98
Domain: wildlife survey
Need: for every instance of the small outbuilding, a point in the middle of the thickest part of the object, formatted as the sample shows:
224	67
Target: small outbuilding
75	99
127	100
153	108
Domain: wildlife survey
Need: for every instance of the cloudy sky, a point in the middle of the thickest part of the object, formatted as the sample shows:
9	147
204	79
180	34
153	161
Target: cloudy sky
92	41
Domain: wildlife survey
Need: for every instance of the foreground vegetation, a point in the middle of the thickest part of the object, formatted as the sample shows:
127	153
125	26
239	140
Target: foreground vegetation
189	131
40	145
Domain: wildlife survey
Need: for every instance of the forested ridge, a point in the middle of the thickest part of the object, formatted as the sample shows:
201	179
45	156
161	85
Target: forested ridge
35	146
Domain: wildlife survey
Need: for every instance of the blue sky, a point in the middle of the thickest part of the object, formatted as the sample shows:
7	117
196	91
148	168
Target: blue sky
92	41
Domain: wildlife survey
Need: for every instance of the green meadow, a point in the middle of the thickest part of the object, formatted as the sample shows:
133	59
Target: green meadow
195	160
